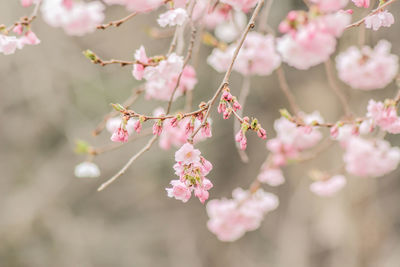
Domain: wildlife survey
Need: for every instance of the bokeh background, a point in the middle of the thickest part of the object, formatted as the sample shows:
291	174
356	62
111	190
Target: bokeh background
51	95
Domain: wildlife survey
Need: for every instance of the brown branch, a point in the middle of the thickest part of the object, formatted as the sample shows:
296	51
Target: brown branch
286	90
336	89
225	81
117	23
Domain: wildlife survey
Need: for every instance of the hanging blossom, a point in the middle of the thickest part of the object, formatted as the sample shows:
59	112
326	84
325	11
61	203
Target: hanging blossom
368	68
380	19
256	57
173	17
75	17
362	3
370	158
141	6
329	186
330	5
230	219
161	75
87	170
212	16
230	29
384	115
244	5
310	38
113	124
192	169
9	44
290	139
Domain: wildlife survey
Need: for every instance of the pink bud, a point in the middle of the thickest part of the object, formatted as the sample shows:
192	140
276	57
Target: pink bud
120	135
292	15
243	143
26	3
189	128
284	27
334	131
227	96
262	133
239	136
18	29
221	107
206	130
157	128
227	114
201	194
236	106
137	126
138	71
174	122
30	38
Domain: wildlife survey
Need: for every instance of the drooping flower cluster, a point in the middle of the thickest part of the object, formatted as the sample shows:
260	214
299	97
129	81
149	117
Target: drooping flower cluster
9	44
380	19
191	168
370	158
310	38
328	187
141	6
290	139
75	17
161	75
230	219
256	57
368	68
384	115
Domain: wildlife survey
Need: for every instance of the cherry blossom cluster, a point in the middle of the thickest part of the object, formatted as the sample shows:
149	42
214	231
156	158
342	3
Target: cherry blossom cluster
191	168
230	219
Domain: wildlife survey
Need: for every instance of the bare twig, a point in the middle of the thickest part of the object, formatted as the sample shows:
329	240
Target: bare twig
286	90
117	23
336	89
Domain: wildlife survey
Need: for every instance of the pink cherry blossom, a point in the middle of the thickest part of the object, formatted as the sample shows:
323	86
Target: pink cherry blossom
27	3
327	188
362	3
272	176
8	44
187	154
385	116
312	43
368	68
141	6
249	61
179	191
381	19
79	18
330	5
230	219
173	17
30	38
370	158
18	29
230	29
120	135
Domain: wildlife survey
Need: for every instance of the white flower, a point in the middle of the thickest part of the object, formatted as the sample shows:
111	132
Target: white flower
172	17
87	170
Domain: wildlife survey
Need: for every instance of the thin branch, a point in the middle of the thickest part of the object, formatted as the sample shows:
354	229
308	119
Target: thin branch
117	23
373	12
129	163
26	21
336	89
225	81
263	25
286	90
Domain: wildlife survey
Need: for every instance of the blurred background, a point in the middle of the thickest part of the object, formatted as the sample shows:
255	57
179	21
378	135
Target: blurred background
52	95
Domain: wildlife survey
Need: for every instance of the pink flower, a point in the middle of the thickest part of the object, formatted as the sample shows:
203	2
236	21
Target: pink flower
172	17
249	60
30	38
381	19
18	29
201	194
361	3
271	176
137	126
141	6
8	44
262	133
373	158
77	18
187	154
179	191
312	43
328	187
138	71
330	5
384	116
368	68
120	135
230	219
